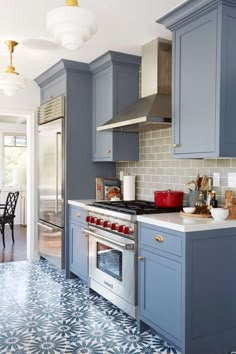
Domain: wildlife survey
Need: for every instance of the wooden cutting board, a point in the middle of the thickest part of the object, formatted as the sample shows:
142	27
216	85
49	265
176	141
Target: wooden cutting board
202	216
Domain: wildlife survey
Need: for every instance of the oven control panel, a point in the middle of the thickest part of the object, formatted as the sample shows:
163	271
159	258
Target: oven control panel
110	223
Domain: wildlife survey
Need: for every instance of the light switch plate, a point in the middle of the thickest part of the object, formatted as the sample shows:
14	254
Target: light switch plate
216	179
232	180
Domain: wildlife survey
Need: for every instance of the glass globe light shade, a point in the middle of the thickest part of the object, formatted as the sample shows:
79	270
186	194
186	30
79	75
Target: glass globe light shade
71	26
11	84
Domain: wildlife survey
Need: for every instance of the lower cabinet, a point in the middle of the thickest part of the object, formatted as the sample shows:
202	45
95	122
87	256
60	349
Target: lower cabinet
160	282
186	287
160	293
78	250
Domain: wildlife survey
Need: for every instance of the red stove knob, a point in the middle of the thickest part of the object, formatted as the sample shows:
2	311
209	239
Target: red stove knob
105	223
88	218
92	220
113	226
126	230
120	228
99	221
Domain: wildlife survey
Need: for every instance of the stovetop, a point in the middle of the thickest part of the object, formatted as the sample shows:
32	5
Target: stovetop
135	207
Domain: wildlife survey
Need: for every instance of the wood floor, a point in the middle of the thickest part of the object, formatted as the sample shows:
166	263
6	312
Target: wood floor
13	251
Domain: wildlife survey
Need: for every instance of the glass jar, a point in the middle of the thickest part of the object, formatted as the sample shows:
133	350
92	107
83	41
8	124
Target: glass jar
200	202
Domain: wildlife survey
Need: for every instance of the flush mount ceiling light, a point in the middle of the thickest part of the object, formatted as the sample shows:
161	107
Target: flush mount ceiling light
10	81
71	25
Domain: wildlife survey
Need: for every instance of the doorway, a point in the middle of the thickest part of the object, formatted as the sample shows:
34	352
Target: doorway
31	177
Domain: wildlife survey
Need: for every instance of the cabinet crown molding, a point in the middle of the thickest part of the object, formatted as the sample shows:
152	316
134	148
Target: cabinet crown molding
111	58
59	69
190	11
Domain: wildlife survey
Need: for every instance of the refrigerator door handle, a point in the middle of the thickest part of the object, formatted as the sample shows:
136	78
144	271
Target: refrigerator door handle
50	228
57	174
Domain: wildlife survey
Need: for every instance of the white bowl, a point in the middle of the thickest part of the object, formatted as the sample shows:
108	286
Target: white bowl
189	210
219	213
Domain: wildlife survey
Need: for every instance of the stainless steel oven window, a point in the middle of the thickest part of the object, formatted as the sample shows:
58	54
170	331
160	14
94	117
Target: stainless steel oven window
109	260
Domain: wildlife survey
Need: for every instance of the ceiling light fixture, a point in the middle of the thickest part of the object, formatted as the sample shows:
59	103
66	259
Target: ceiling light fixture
10	81
71	25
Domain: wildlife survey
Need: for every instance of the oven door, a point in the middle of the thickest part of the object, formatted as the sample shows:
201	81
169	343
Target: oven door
111	263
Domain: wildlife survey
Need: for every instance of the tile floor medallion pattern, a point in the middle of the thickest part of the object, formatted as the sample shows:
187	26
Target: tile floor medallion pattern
43	313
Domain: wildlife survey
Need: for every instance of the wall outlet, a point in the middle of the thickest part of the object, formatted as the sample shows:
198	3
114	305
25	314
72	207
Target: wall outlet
232	180
216	179
121	175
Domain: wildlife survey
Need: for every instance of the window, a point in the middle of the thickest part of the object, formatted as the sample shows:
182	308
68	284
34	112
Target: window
14	159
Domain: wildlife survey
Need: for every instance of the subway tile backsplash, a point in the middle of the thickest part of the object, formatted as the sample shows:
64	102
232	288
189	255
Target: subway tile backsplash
157	170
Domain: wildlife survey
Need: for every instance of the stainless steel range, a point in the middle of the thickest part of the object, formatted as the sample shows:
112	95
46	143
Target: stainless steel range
113	245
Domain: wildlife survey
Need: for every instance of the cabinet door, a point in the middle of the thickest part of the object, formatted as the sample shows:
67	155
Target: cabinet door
160	294
195	82
114	88
78	251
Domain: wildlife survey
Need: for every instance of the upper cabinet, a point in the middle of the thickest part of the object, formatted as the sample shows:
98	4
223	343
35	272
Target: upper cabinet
115	85
204	78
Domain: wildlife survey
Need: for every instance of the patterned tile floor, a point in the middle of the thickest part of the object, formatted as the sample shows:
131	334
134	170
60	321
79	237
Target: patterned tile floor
42	313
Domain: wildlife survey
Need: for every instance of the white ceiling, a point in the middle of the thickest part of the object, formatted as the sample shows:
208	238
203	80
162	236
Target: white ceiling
123	25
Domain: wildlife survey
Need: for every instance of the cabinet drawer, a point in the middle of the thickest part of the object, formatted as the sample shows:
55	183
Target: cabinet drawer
78	215
159	240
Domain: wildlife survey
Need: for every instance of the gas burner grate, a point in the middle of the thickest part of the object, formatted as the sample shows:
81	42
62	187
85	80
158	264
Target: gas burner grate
136	207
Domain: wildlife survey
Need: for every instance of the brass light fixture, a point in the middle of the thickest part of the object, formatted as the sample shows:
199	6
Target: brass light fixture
10	81
71	25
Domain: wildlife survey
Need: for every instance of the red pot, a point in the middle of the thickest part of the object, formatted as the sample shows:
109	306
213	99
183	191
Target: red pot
168	199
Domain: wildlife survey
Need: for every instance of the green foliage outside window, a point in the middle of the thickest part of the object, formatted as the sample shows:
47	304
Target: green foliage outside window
14	156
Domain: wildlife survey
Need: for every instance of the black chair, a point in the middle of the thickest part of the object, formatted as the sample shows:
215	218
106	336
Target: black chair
8	214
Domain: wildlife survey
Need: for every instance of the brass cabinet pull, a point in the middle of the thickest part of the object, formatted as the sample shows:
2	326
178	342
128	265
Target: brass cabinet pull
159	238
108	151
78	215
175	145
140	258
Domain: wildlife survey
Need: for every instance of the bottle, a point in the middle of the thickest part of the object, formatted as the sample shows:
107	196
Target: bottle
214	203
209	199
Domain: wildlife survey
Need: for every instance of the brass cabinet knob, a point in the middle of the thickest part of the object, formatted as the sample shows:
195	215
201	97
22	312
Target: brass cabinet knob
140	258
108	151
159	238
78	215
175	145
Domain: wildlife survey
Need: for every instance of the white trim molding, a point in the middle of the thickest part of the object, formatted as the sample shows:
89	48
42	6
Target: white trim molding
32	196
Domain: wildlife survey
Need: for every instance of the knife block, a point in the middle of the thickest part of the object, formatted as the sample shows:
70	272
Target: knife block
230	203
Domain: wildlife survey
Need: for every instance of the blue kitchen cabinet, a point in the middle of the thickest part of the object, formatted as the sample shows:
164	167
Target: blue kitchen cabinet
115	86
78	243
187	287
160	293
159	287
54	88
204	66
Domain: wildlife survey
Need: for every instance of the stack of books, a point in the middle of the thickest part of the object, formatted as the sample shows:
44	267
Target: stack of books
107	188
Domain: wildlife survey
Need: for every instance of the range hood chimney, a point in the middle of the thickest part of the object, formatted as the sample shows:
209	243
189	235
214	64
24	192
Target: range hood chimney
153	110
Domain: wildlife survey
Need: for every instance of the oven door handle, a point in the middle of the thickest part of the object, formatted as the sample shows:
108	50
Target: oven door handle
127	246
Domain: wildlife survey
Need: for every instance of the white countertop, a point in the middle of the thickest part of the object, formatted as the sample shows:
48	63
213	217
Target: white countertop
172	221
177	222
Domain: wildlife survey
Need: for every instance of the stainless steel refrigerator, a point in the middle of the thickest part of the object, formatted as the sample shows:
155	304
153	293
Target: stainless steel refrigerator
51	191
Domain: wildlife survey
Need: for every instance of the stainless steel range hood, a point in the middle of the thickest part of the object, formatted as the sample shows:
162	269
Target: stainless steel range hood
153	110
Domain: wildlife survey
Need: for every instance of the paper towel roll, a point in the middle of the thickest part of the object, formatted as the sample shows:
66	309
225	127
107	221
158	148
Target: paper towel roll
129	188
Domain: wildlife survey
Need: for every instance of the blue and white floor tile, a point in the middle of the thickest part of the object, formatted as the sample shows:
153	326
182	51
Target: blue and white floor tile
43	313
